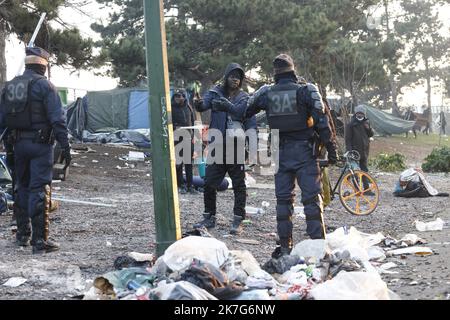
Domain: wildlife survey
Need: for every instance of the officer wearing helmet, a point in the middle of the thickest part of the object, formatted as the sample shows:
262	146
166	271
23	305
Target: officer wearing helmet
31	111
296	109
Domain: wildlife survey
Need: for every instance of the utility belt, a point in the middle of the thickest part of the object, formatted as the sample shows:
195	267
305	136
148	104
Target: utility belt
44	136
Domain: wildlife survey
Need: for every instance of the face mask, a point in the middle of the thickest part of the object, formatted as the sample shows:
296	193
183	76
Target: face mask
360	118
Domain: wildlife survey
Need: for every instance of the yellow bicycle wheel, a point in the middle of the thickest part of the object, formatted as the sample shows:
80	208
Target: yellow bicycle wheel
359	193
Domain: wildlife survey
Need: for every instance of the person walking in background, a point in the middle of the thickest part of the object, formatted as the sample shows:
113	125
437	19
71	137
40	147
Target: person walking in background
410	116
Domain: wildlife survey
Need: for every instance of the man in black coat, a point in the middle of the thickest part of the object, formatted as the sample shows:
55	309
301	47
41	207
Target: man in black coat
357	137
183	116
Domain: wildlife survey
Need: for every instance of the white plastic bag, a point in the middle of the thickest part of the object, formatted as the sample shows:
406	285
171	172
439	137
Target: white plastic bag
352	286
436	225
180	254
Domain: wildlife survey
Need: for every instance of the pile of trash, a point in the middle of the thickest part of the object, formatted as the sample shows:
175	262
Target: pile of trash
347	265
137	137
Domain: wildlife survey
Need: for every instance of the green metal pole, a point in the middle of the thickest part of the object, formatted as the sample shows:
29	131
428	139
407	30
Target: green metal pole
167	214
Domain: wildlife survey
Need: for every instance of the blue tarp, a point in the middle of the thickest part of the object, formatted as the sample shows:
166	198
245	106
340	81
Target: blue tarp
138	115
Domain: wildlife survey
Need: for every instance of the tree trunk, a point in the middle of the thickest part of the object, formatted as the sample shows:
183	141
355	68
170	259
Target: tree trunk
3	70
428	76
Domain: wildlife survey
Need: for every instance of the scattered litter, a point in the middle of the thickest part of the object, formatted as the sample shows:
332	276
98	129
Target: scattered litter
265	204
181	253
352	286
180	290
436	225
136	156
206	276
413	283
252	211
94	161
108	244
248	241
311	248
141	257
76	165
384	268
15	282
282	264
85	202
411	250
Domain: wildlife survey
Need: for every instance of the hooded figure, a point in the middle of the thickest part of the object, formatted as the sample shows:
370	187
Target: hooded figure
227	102
357	137
183	116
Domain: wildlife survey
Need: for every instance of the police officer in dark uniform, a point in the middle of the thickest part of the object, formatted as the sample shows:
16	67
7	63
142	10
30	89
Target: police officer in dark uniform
297	111
228	103
31	110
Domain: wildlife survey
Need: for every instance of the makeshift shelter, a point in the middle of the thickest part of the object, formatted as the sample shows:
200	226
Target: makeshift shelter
118	109
385	123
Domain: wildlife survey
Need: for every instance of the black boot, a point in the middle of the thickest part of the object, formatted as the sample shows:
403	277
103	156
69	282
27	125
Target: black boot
23	226
39	240
236	227
209	221
192	190
284	249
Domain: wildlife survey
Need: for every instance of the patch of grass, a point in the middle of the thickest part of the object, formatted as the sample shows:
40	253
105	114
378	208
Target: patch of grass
422	139
438	160
388	162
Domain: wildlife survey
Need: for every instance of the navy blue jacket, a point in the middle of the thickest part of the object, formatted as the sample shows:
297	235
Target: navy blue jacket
304	98
43	90
219	118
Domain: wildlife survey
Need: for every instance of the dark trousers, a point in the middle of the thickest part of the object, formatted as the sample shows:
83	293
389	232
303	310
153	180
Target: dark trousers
189	174
215	173
34	170
296	162
363	166
188	168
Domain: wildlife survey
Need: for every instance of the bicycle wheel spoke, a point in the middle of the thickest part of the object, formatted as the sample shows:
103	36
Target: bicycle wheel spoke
348	197
348	183
357	205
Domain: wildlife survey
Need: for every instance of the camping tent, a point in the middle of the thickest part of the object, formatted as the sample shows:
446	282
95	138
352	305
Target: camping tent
122	113
111	110
385	123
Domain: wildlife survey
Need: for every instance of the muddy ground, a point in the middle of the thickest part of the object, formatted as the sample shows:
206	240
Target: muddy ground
91	237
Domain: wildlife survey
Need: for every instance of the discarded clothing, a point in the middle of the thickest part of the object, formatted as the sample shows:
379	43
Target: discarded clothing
206	276
282	264
123	262
413	184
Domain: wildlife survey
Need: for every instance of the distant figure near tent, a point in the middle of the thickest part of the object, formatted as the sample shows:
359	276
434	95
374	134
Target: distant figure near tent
410	116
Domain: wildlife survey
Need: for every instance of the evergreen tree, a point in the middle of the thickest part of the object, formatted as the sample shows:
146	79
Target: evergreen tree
66	45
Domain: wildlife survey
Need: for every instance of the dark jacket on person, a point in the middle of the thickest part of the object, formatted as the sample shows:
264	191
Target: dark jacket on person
357	137
410	116
182	115
42	90
219	118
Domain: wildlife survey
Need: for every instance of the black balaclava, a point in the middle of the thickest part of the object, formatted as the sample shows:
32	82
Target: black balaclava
38	68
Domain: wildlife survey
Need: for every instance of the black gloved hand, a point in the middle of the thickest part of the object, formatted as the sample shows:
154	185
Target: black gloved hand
66	157
222	104
332	153
197	103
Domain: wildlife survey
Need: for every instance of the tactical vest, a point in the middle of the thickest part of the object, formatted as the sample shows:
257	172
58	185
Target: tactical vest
21	112
283	110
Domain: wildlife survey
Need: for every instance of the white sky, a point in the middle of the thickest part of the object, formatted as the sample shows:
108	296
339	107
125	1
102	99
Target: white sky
80	82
